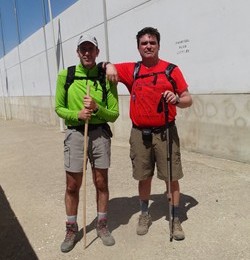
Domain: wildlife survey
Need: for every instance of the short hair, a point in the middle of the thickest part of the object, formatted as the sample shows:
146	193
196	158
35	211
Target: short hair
148	30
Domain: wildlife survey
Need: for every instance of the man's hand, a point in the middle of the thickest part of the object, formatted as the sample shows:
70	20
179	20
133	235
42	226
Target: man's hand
170	97
89	107
90	103
84	114
182	101
111	73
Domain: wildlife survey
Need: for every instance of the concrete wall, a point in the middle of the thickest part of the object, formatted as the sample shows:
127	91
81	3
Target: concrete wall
209	43
217	125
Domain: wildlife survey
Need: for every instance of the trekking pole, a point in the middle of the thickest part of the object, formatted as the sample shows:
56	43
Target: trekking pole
169	167
85	150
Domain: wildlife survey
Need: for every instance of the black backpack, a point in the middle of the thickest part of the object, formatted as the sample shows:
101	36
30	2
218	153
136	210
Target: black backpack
167	72
101	77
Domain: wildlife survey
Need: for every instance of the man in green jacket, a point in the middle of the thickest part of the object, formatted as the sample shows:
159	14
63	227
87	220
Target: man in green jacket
99	107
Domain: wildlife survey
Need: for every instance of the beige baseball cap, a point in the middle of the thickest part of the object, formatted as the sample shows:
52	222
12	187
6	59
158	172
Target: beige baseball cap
87	38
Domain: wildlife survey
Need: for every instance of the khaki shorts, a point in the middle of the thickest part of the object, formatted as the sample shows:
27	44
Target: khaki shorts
99	150
145	154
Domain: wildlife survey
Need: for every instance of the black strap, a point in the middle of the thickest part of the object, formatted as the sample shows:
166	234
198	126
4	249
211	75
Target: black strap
69	80
91	127
101	77
156	129
102	80
136	69
167	72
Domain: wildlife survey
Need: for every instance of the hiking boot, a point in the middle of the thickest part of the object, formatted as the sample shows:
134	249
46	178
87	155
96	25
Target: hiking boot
144	223
70	238
103	232
178	233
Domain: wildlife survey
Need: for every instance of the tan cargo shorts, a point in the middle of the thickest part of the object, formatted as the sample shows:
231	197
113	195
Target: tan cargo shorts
145	154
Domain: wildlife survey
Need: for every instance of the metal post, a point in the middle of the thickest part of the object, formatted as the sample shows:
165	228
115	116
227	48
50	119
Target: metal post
46	47
3	44
54	46
106	29
19	41
4	105
47	57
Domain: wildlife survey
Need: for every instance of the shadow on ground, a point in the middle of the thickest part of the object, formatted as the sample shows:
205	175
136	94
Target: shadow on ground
14	243
122	209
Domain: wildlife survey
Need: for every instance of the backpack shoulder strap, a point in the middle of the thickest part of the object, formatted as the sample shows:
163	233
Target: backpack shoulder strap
102	79
168	72
169	69
70	77
136	69
69	80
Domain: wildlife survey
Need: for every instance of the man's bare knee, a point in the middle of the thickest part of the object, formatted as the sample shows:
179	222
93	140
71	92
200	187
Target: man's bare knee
72	189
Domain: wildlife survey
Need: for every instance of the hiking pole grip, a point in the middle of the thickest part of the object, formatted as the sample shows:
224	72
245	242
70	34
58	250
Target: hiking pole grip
169	168
85	150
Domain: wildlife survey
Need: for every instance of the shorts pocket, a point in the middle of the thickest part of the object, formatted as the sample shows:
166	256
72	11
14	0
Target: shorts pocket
68	134
66	156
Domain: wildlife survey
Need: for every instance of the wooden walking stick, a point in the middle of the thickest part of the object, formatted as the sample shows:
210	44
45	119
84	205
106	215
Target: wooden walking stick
85	151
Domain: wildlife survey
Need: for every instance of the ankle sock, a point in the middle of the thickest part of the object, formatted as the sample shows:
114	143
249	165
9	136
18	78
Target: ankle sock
175	211
144	207
71	219
101	215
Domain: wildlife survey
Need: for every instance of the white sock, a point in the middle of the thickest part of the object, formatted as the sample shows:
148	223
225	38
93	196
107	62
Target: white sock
101	215
71	219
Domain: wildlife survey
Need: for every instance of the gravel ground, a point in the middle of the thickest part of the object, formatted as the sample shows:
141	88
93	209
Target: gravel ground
215	202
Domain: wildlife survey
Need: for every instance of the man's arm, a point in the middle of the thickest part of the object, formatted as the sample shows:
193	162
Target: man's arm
60	97
185	100
111	112
111	71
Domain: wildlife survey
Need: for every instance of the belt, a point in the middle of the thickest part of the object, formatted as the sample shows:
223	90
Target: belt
90	127
157	129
